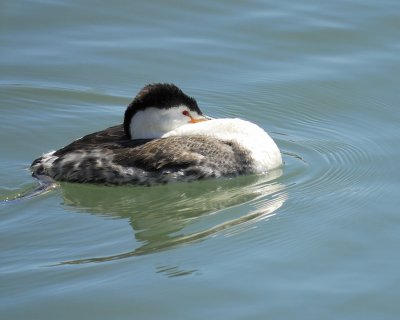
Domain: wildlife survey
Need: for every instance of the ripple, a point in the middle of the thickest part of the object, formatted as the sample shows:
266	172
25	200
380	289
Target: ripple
322	159
62	95
328	167
166	217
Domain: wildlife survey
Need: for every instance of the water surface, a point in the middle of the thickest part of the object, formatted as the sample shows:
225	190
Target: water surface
317	239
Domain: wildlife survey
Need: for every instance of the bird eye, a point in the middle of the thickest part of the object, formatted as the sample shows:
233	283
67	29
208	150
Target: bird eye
186	113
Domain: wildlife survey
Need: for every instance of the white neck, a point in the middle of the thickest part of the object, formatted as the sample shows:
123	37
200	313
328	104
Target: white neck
265	152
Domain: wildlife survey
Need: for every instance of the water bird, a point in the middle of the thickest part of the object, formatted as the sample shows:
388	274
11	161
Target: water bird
164	137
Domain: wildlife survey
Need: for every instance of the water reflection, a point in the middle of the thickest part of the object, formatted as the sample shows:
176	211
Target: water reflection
163	217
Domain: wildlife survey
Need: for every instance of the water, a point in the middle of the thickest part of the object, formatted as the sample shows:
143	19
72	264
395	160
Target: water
317	239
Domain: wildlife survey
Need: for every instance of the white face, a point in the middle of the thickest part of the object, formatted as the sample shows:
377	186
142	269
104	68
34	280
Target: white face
154	122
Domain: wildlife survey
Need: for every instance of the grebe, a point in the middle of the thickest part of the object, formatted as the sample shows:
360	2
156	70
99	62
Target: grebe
165	137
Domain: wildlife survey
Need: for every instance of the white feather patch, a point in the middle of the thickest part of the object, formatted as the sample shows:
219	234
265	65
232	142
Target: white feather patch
264	151
154	122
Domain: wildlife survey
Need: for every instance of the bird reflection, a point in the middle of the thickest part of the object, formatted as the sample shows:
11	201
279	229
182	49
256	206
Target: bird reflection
164	217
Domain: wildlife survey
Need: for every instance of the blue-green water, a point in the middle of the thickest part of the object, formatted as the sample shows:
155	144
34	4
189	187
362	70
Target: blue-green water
318	239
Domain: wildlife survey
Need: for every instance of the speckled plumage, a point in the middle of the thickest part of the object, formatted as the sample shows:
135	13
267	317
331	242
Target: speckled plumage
109	157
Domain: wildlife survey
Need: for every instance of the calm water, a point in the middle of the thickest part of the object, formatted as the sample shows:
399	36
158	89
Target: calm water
318	239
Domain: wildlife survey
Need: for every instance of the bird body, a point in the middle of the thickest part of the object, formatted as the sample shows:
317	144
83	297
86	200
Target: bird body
164	137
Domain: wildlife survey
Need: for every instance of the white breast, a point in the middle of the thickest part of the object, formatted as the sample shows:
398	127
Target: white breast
265	152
